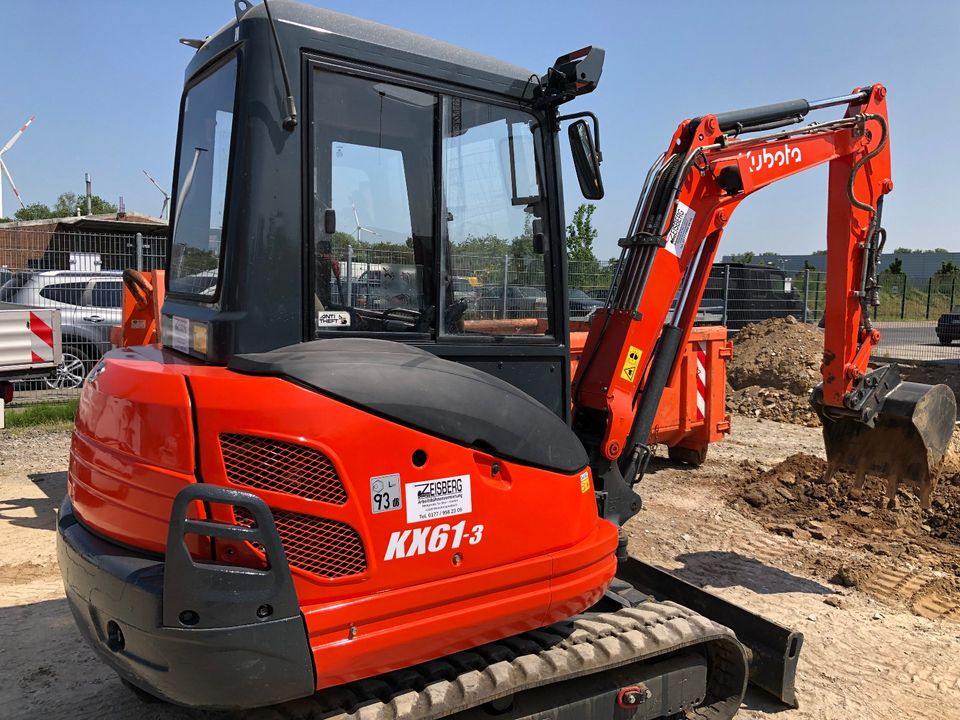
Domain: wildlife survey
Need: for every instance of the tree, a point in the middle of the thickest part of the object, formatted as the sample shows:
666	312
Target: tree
34	211
745	257
896	267
581	234
904	251
948	268
68	203
819	252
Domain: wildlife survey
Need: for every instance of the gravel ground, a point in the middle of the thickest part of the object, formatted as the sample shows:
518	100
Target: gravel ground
866	654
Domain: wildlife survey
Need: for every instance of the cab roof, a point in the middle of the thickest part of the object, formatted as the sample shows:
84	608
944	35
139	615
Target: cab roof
334	33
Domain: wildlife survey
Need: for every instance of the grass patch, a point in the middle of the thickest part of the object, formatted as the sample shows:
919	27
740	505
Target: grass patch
43	414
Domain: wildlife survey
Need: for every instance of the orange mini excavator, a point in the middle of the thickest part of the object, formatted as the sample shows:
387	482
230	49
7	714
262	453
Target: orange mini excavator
356	469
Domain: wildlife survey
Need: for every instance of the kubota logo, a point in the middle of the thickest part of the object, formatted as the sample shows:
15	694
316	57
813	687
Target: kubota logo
774	158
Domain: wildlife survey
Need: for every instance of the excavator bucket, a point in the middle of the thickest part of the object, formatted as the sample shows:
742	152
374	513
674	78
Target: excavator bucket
906	444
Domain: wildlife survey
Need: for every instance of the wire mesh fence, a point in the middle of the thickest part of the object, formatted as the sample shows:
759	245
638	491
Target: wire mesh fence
79	273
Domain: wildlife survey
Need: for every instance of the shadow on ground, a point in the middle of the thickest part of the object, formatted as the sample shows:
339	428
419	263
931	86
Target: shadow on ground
36	513
731	569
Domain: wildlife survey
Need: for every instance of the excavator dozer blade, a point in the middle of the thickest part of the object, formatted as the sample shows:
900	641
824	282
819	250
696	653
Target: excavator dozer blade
906	445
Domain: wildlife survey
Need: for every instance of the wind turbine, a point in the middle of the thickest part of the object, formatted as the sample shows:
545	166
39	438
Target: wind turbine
3	166
361	228
166	195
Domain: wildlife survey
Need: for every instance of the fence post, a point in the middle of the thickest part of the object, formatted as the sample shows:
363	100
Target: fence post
953	288
929	293
806	292
506	273
816	297
139	244
349	301
726	293
903	296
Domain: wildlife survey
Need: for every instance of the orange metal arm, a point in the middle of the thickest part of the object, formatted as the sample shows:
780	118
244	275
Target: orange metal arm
691	194
142	302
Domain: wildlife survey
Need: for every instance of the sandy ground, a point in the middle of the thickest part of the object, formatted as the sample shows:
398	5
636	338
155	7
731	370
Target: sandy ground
866	655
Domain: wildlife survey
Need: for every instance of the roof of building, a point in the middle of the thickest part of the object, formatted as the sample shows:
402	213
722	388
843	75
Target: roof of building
105	221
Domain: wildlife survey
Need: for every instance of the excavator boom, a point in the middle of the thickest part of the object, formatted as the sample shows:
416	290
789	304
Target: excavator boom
690	193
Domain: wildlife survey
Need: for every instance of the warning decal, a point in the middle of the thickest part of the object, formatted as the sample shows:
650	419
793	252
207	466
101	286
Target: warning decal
629	369
679	228
432	499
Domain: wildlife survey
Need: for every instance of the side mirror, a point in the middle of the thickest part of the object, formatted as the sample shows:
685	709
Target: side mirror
330	221
586	160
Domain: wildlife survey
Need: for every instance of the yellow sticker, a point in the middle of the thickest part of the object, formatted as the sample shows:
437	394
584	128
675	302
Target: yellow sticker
629	369
584	481
199	337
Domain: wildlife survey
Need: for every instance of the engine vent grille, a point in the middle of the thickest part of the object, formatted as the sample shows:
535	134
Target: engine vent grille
280	466
327	548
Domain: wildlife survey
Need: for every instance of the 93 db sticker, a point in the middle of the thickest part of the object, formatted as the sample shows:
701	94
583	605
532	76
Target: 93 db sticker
432	499
385	493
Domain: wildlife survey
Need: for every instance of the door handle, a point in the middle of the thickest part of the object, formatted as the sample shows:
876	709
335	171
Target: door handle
93	318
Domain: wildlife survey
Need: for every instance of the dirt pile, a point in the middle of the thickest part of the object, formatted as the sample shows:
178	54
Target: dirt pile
774	366
796	501
772	404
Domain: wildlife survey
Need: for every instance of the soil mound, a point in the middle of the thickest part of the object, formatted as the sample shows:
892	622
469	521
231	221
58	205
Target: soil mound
775	364
781	353
799	503
772	404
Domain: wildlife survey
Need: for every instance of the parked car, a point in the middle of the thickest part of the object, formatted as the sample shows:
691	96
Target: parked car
948	326
581	305
754	293
466	288
521	302
89	303
387	287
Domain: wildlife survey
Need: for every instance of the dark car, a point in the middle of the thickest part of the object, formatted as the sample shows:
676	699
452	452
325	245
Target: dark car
582	305
948	326
753	293
514	301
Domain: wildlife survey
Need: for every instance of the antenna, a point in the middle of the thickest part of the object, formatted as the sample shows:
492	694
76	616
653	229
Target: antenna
166	195
361	228
6	171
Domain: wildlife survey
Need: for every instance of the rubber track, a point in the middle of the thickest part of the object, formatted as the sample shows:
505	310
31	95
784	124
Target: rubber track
586	644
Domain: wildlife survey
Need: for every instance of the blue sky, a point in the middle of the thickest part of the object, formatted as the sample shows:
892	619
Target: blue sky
104	78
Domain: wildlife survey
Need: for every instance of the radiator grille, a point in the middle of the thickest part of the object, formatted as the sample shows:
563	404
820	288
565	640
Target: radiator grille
281	467
327	548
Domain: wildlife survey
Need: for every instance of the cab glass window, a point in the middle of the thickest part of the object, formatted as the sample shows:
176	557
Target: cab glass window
493	280
374	169
201	192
